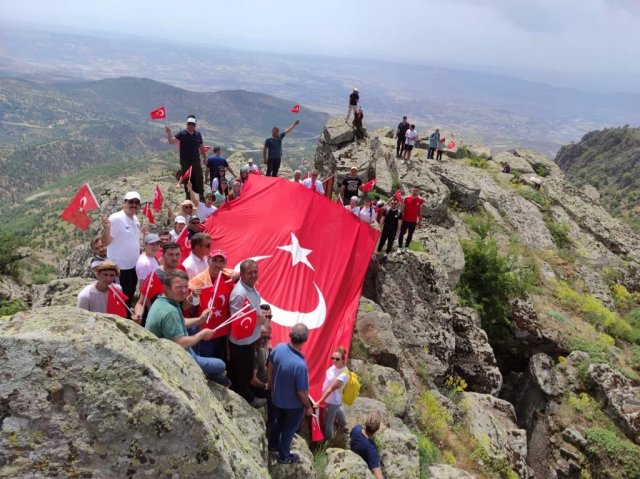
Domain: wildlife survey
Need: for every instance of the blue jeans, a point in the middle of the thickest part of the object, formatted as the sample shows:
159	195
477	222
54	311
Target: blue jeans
285	425
213	368
214	348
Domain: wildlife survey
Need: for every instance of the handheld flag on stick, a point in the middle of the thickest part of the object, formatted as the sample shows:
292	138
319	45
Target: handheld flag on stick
316	432
368	186
159	114
187	174
76	212
185	245
295	109
244	324
206	148
147	212
398	196
158	198
117	302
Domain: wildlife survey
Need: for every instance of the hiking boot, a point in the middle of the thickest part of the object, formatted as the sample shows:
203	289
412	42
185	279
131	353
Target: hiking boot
258	402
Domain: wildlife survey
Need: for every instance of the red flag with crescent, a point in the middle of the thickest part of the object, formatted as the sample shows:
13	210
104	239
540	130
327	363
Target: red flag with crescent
295	109
368	186
158	198
151	287
398	196
76	212
159	113
147	212
219	306
185	244
116	302
242	327
316	431
301	274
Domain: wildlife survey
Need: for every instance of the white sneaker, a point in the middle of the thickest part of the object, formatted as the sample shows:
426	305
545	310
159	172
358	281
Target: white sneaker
399	250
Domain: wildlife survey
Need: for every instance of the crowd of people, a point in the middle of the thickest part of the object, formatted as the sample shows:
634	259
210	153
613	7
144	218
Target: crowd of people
162	288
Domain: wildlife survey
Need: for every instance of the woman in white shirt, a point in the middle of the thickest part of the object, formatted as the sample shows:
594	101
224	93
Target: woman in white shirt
367	212
336	379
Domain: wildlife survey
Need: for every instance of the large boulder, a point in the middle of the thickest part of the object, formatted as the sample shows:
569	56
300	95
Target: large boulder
516	163
77	264
444	249
337	131
385	384
398	454
493	423
304	468
374	329
59	292
526	219
92	395
345	464
620	397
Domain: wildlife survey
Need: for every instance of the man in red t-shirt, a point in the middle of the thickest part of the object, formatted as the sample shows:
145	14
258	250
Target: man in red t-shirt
411	217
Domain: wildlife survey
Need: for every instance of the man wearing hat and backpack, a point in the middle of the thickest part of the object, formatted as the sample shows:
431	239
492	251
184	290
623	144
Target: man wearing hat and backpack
191	148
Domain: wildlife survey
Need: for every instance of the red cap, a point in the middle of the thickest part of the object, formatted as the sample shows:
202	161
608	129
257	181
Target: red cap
217	252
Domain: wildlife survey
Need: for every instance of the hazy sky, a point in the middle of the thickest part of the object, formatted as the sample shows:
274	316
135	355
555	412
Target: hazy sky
567	38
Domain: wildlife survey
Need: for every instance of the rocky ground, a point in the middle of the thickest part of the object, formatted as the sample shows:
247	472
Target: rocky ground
554	393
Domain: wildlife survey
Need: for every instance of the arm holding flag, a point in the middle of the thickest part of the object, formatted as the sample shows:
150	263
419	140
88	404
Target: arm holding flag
290	128
170	138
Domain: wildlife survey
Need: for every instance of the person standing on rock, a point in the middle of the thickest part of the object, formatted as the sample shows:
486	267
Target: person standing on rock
353	103
411	217
409	141
336	378
166	320
272	151
358	116
434	138
289	384
242	350
361	442
93	297
401	132
191	147
121	235
350	186
390	225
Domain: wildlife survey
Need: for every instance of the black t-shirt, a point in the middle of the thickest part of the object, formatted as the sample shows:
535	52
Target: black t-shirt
189	145
353	98
391	219
274	146
351	186
402	129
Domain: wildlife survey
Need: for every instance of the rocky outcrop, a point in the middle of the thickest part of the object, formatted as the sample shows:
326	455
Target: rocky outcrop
383	384
493	423
517	164
59	292
12	290
344	464
88	395
445	471
526	219
374	328
77	264
620	396
303	469
444	250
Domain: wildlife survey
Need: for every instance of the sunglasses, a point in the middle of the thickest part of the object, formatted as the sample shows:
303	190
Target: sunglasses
336	359
188	206
191	124
133	202
268	316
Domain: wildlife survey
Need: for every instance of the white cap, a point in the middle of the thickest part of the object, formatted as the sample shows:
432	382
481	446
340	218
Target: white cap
191	120
180	219
355	88
250	160
132	195
354	198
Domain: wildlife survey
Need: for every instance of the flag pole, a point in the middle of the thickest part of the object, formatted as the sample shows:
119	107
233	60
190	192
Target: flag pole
213	297
237	315
146	293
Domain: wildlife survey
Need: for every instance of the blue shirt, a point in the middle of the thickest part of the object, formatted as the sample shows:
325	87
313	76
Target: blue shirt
290	376
189	145
364	447
433	140
214	162
274	145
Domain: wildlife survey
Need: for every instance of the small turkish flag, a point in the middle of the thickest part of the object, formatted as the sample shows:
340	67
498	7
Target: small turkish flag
159	114
158	198
147	212
242	327
151	287
368	186
219	306
398	195
206	148
451	145
185	245
295	109
187	174
116	302
76	212
316	432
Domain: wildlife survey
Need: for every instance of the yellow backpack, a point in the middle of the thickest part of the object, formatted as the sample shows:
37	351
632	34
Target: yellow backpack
351	390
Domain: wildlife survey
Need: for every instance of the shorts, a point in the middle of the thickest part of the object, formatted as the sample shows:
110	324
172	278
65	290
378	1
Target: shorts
408	147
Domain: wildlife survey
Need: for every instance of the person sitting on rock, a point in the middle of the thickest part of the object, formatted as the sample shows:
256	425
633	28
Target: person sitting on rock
253	168
361	442
166	320
313	183
93	297
336	378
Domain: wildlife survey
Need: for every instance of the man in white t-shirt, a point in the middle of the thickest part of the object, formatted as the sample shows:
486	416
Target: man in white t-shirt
252	168
93	297
196	262
409	141
179	224
313	183
121	235
147	262
203	209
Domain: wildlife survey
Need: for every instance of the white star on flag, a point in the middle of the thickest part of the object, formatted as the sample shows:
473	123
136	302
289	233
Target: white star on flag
298	253
217	313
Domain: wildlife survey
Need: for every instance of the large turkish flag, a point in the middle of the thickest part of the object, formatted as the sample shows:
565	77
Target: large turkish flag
312	257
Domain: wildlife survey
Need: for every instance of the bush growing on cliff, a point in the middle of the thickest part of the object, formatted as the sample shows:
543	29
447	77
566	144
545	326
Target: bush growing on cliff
490	281
10	254
618	456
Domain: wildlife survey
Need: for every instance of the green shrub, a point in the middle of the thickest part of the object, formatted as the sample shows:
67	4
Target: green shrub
9	254
489	281
416	246
559	232
476	162
618	456
9	308
431	417
429	454
480	224
558	317
534	196
540	169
